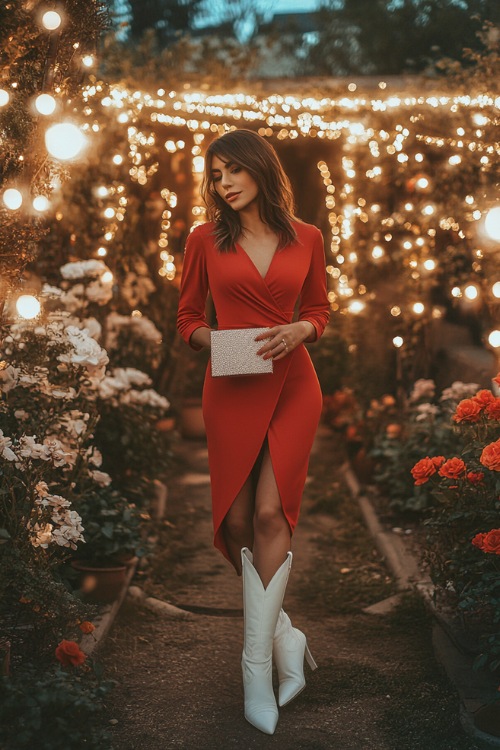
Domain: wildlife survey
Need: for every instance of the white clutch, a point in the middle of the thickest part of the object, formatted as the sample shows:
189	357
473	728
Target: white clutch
234	352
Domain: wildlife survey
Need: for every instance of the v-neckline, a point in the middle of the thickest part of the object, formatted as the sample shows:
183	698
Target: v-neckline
253	264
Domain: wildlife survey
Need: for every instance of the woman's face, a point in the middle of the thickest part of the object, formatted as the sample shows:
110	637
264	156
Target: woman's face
233	183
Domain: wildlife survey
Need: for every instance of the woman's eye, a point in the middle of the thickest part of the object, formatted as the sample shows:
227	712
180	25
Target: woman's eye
235	170
216	179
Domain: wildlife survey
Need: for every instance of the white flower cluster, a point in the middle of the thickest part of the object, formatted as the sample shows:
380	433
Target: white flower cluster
83	269
458	391
27	448
422	389
66	527
140	327
426	411
98	286
86	351
117	388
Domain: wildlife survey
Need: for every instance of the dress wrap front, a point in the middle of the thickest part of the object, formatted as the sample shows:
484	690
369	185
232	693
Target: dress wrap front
240	411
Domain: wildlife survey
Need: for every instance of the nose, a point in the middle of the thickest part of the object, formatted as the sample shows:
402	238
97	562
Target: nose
226	180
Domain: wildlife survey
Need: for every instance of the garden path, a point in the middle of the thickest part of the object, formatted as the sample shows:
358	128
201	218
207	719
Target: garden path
179	682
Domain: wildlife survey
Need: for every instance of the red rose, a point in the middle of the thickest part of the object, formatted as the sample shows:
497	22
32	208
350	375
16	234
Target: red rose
467	411
483	398
86	627
475	477
491	541
479	540
438	461
454	468
423	470
70	654
493	409
490	457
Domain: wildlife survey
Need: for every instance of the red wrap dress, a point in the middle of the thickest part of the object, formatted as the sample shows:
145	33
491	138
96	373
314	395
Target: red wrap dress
240	411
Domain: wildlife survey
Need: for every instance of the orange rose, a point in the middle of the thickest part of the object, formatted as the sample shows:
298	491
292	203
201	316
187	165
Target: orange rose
483	398
70	654
453	468
423	470
493	409
86	627
490	457
478	540
467	411
491	541
393	430
475	477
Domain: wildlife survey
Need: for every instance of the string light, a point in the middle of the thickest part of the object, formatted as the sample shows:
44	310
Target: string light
65	141
492	223
45	104
494	339
12	198
4	97
28	306
51	20
41	203
398	341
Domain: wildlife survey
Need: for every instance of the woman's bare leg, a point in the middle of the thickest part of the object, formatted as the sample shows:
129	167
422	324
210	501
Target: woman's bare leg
272	536
238	524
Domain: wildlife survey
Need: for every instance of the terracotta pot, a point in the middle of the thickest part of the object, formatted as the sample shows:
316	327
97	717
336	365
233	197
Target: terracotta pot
192	424
101	585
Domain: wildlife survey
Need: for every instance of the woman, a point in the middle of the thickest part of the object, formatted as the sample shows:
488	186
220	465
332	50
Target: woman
257	259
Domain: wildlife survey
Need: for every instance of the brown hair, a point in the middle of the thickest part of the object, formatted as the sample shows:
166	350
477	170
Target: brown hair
275	198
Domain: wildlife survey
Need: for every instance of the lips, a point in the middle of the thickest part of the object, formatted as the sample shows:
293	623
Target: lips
231	196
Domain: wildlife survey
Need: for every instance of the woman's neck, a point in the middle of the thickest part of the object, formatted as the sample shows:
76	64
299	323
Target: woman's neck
252	224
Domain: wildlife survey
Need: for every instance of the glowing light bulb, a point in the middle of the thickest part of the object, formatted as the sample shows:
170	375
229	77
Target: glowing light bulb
198	164
51	20
88	61
41	203
428	210
102	191
107	277
356	306
456	292
471	292
494	338
398	341
492	223
65	141
395	311
429	264
45	104
496	289
101	252
422	183
27	306
418	308
109	213
117	159
4	97
378	252
454	160
12	199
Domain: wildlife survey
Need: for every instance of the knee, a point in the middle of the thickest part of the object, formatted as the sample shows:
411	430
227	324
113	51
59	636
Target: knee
269	520
237	526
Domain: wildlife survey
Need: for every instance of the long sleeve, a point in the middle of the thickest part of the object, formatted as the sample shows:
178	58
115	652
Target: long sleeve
314	305
193	290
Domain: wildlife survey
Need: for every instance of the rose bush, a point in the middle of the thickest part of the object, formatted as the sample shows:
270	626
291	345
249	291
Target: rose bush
463	541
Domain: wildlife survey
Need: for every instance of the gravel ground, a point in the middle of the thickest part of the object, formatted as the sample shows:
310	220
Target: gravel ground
178	682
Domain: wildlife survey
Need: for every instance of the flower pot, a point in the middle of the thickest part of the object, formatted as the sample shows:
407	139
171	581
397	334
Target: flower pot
191	423
101	584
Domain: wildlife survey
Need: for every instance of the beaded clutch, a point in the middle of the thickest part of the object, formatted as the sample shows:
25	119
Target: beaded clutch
234	352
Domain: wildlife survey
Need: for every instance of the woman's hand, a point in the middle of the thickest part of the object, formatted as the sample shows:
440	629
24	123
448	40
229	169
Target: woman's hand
281	340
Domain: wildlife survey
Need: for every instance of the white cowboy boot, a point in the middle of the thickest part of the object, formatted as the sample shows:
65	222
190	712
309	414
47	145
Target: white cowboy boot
261	607
289	648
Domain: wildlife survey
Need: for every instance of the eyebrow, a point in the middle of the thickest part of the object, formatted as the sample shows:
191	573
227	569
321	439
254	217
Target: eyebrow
226	164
